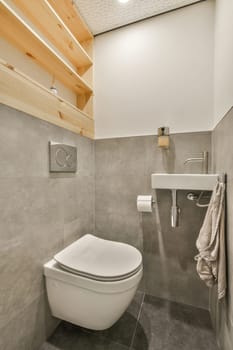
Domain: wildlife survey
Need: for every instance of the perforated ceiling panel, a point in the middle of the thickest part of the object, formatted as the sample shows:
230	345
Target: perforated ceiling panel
104	15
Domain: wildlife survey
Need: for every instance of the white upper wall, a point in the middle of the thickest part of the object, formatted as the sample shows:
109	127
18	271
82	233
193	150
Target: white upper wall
157	72
223	68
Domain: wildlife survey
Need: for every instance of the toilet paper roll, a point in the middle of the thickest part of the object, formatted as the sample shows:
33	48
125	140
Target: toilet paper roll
144	203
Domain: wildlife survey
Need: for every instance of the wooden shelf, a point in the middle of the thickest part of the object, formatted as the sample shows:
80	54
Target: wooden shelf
21	92
53	35
70	16
42	15
14	29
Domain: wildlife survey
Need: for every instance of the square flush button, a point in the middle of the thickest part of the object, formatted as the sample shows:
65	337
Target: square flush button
62	158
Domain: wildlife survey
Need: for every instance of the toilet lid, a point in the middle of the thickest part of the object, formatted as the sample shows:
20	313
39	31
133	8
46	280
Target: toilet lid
100	259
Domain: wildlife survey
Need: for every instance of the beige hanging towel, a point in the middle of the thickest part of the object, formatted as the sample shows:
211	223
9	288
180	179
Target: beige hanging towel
211	260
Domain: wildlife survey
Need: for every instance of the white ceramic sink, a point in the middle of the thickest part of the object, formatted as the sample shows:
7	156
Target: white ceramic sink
184	181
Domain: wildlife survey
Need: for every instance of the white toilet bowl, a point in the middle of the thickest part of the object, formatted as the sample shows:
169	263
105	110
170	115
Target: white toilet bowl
92	282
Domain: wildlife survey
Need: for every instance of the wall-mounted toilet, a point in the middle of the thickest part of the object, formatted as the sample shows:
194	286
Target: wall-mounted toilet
92	282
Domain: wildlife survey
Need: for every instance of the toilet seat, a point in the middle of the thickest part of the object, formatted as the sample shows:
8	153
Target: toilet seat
99	259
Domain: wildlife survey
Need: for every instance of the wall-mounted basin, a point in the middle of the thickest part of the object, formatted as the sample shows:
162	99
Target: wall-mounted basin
204	182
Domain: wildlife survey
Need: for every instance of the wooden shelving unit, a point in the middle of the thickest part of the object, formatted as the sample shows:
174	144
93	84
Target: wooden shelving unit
53	28
40	30
70	16
25	94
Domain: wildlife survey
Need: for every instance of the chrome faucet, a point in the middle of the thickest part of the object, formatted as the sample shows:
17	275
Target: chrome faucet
203	159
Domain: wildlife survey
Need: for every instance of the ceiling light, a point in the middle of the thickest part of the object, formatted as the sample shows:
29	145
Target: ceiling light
123	1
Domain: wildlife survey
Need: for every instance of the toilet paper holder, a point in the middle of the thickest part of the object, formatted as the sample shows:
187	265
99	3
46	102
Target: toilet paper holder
145	203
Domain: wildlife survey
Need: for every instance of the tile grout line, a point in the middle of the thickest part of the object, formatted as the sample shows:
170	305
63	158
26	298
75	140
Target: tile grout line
140	310
138	317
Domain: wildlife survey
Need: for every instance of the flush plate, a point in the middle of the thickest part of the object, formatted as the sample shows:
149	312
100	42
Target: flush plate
203	182
62	158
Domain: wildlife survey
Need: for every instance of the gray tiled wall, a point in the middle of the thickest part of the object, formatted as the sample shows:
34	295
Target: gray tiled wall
222	313
123	169
39	214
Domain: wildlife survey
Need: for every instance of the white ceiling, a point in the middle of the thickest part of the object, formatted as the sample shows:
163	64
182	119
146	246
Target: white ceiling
104	15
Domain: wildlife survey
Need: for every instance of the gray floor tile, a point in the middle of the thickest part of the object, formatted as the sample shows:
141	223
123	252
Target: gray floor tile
47	346
68	337
166	325
122	331
162	325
